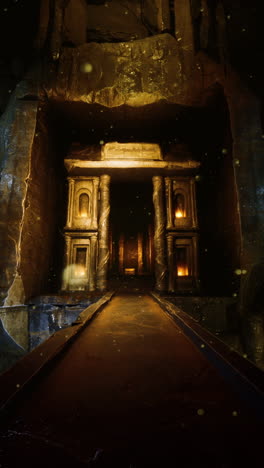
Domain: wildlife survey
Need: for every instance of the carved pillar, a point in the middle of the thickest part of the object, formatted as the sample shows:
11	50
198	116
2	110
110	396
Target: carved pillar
66	272
168	202
93	263
170	262
103	231
159	233
95	203
70	203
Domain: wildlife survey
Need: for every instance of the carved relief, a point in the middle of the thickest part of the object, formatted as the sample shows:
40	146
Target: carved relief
181	238
180	203
103	230
182	261
80	261
159	234
134	151
81	234
80	253
82	205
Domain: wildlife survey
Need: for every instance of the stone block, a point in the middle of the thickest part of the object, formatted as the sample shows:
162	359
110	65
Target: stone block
112	74
15	321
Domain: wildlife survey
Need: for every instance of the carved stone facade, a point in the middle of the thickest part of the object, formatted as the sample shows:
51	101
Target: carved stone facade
83	203
86	234
182	236
169	244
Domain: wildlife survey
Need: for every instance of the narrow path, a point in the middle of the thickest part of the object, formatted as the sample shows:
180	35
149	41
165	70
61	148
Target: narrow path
134	385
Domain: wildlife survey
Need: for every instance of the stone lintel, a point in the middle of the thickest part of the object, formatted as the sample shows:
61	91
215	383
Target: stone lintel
72	164
134	151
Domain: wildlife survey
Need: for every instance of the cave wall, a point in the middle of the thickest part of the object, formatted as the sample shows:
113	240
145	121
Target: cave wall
42	210
31	192
17	128
220	230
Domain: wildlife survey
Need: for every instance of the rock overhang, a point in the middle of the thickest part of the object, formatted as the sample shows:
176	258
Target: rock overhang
135	73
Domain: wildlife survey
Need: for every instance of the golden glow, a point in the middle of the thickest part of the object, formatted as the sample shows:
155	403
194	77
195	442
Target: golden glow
123	164
130	271
80	271
134	151
182	271
83	205
179	214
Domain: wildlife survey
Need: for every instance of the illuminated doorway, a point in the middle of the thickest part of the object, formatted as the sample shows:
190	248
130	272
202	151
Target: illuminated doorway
131	230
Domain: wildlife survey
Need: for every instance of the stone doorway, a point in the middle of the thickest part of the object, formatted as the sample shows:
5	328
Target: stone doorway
131	230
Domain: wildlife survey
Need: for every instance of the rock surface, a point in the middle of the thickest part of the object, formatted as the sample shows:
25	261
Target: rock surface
115	21
15	322
10	351
42	211
135	73
17	129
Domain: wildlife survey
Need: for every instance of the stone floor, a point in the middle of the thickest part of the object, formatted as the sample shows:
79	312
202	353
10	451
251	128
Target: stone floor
131	391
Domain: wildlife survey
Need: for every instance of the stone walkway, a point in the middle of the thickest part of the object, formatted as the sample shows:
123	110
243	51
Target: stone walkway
135	387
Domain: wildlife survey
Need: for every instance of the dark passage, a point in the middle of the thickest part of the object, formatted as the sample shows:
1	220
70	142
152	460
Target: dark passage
131	220
135	390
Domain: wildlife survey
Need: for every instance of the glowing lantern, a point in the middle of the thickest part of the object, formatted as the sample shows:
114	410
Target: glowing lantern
182	263
180	211
182	271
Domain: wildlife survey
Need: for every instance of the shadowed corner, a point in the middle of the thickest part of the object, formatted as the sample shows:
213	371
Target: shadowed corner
10	351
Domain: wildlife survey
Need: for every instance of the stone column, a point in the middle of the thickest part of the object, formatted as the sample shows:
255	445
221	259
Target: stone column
70	202
159	234
95	203
103	232
170	262
92	282
168	202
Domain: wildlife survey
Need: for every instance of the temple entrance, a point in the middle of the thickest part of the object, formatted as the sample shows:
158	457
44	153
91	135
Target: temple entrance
131	230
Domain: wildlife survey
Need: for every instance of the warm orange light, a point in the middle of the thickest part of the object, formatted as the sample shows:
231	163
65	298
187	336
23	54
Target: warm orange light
182	271
84	214
179	214
130	271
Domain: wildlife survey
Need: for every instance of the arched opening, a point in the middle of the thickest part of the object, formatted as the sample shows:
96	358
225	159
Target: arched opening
83	205
179	207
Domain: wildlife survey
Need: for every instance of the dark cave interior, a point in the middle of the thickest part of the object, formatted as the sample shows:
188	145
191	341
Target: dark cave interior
201	134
